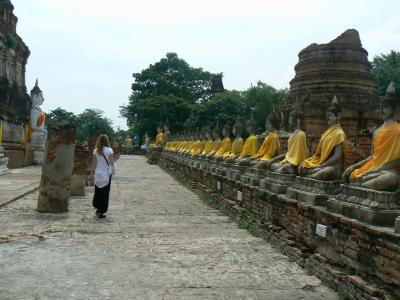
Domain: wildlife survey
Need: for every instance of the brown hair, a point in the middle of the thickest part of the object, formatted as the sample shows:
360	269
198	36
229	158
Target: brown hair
102	141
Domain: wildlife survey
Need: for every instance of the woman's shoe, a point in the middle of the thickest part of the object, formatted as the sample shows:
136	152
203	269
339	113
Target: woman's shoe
101	216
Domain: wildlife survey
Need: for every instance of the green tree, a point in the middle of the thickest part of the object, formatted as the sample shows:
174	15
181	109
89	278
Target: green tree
93	121
168	89
60	116
263	97
386	68
224	107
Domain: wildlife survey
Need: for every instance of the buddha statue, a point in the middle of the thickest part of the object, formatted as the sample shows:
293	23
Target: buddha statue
271	145
381	170
36	135
208	144
199	148
237	145
328	160
226	144
128	142
167	132
217	141
250	146
288	162
160	136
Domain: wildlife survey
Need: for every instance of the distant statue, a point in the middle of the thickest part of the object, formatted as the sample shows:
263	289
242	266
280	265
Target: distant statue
160	136
209	143
128	142
328	160
167	132
271	145
288	162
226	144
250	146
36	135
381	170
237	145
216	133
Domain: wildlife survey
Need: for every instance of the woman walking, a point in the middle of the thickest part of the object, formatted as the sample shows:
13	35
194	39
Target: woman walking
102	158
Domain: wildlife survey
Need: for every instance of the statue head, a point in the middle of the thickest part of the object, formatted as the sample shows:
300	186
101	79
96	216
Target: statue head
295	116
159	129
251	124
166	125
273	121
389	102
216	131
333	112
226	130
237	128
208	132
37	95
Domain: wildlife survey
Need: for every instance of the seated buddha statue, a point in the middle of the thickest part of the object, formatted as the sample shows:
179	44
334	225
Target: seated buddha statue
128	142
167	132
330	155
226	144
237	145
216	143
271	145
200	144
208	144
381	170
160	136
288	162
250	146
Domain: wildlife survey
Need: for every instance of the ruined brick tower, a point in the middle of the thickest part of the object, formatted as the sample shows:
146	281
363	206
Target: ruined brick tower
15	103
340	68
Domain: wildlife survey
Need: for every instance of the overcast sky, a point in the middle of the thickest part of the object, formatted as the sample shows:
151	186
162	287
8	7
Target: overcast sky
85	51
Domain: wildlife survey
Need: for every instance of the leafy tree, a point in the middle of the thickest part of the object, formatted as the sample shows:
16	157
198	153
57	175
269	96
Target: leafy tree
90	121
263	97
60	116
224	107
386	68
168	89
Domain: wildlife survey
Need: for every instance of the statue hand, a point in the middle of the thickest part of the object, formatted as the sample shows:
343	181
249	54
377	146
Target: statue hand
346	174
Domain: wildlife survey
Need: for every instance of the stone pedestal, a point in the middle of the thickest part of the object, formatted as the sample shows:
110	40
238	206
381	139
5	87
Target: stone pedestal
3	162
235	172
80	172
38	146
277	182
312	191
253	176
57	170
369	206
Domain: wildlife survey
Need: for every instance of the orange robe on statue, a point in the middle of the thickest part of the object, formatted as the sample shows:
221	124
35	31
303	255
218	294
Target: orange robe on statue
269	149
386	149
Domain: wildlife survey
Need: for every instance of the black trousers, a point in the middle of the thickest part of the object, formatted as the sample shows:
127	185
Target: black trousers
101	198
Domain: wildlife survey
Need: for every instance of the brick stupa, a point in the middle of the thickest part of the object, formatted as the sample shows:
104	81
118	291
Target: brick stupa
340	68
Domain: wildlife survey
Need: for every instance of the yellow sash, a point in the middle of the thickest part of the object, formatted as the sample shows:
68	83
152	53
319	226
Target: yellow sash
250	147
329	140
237	147
386	149
269	149
297	149
226	146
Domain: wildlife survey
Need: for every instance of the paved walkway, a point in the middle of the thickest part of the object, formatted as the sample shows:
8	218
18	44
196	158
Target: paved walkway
159	241
19	182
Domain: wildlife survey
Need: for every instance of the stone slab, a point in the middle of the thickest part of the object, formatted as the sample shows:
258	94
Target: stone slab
159	241
19	182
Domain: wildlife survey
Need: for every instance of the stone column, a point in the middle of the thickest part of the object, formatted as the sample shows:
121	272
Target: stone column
3	162
57	170
79	174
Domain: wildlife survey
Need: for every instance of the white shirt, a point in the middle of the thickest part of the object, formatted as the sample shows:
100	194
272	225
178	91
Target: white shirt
101	174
